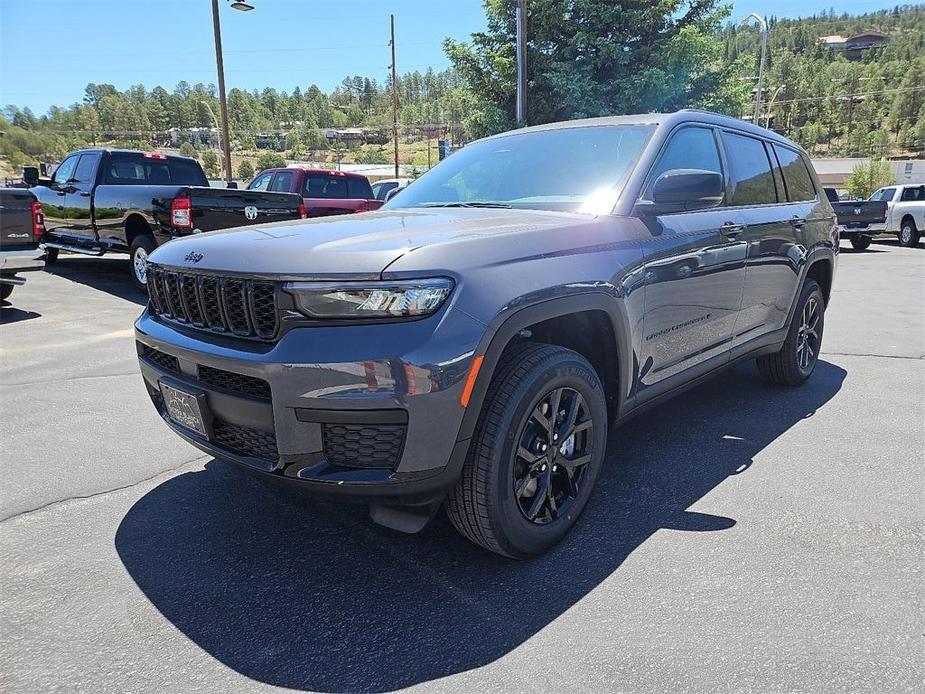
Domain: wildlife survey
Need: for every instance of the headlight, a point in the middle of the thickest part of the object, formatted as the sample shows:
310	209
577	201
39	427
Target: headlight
345	300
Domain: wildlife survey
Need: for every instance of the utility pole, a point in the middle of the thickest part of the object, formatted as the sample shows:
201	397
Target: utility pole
521	52
394	96
226	142
763	28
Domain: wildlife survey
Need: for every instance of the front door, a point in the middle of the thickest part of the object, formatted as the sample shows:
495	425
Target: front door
694	275
79	198
54	196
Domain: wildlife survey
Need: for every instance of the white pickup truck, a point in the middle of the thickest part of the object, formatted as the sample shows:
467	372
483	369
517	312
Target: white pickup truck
905	215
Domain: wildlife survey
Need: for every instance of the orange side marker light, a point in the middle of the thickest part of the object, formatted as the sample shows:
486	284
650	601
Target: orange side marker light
470	380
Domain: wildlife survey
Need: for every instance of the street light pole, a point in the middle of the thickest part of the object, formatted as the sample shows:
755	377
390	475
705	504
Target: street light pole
520	51
226	142
763	28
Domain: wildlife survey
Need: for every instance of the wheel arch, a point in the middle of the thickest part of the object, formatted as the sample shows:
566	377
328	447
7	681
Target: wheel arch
594	310
135	226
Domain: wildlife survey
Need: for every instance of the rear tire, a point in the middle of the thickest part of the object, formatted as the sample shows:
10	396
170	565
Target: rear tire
519	494
859	243
5	291
138	254
908	234
51	256
797	358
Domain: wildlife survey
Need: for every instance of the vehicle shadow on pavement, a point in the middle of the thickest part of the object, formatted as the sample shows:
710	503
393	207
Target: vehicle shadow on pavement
110	275
311	595
11	314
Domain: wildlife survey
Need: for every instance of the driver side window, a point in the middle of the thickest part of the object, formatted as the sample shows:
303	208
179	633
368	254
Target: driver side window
691	147
65	170
262	182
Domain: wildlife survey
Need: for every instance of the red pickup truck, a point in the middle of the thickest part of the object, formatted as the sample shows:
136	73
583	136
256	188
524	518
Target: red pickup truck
324	192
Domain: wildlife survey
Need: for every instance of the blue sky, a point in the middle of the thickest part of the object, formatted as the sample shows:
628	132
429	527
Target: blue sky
50	49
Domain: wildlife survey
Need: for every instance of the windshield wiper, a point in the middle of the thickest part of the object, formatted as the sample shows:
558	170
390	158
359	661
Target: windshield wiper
474	203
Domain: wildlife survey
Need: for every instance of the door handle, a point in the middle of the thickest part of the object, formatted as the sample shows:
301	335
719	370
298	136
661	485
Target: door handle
85	194
797	222
731	229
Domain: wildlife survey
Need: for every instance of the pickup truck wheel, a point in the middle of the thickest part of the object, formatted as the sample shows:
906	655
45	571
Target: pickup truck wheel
141	247
908	234
859	243
5	291
51	256
795	361
535	455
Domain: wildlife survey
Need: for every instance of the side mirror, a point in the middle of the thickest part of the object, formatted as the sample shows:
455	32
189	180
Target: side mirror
392	193
232	184
681	190
30	174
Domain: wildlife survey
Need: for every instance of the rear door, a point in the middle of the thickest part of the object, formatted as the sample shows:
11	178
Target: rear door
773	257
694	273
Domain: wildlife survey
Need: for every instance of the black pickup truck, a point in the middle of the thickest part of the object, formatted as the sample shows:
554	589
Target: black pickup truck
858	220
20	233
102	200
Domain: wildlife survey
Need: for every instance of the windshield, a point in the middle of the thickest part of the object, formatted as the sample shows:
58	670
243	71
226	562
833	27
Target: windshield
579	169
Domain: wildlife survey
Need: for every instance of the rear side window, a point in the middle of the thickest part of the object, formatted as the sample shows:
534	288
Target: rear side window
885	195
323	186
913	194
359	188
796	175
689	148
282	182
749	170
262	182
131	169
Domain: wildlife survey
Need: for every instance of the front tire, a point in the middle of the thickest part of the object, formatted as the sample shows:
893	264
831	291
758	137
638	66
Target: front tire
138	255
797	358
536	452
860	243
5	291
908	234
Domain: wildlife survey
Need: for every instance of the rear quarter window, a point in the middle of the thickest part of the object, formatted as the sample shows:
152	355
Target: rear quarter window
796	176
129	169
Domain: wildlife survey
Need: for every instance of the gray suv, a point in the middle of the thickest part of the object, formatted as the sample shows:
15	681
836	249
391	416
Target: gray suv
470	344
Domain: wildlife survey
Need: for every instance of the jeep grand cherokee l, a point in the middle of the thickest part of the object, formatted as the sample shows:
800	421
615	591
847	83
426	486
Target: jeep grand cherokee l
470	344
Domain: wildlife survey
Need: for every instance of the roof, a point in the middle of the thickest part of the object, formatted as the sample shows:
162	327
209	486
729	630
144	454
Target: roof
310	170
659	119
835	38
116	150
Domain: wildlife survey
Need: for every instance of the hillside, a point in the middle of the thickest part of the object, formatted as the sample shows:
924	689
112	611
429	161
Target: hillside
834	101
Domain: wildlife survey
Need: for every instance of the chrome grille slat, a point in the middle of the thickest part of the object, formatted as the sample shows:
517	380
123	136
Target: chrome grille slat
244	308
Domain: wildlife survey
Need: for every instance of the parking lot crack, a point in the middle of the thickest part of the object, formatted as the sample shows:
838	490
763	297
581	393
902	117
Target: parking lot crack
80	497
877	356
71	378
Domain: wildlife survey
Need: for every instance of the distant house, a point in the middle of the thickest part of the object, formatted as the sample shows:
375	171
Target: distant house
854	46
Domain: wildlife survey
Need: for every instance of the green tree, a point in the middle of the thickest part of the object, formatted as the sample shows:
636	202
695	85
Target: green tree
593	58
187	150
866	177
210	163
245	170
270	160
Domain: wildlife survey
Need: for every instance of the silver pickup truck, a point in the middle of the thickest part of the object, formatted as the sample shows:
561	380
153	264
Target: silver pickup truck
21	229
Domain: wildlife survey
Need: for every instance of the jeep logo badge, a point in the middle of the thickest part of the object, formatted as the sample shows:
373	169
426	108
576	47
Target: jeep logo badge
250	212
193	257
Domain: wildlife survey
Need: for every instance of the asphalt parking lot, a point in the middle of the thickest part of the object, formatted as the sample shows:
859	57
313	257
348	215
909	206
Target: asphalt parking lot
742	537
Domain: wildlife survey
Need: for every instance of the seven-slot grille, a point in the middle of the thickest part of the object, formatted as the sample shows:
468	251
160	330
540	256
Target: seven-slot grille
246	308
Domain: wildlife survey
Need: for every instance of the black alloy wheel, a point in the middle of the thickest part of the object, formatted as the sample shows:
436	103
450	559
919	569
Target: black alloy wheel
554	446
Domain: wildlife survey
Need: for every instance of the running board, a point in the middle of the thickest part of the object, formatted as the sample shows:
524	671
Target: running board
75	249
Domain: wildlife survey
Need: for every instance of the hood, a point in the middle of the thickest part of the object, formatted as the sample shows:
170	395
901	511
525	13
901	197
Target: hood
357	245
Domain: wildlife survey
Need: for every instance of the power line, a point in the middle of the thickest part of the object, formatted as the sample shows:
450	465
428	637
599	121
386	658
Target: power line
848	96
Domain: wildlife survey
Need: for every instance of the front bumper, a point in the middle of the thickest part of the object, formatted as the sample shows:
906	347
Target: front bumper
12	262
368	411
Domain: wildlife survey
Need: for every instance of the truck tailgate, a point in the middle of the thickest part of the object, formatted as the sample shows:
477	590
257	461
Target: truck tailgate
16	219
223	208
859	215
